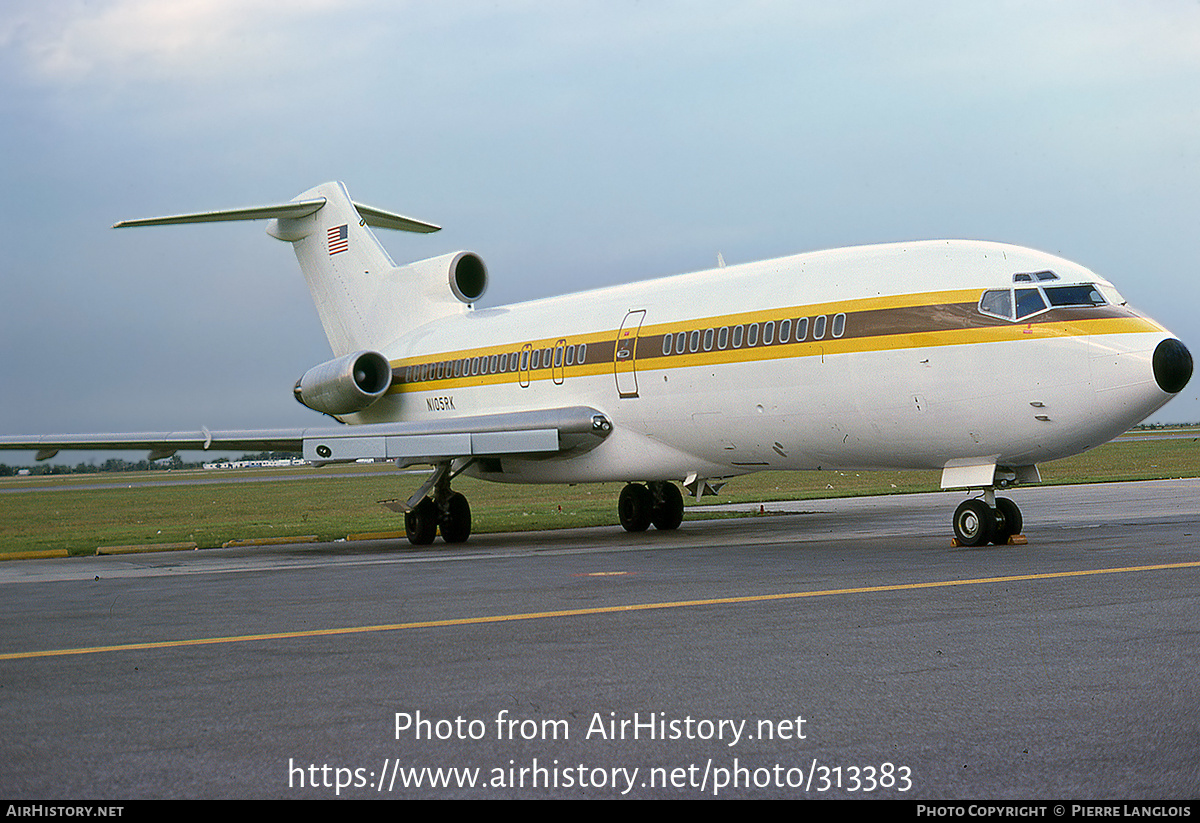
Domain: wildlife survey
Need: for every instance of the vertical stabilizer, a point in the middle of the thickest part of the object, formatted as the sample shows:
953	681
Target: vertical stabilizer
342	262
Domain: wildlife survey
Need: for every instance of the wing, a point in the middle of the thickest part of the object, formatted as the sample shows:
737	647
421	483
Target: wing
547	431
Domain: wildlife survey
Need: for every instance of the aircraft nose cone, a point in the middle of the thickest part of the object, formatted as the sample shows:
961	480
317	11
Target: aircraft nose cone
1172	365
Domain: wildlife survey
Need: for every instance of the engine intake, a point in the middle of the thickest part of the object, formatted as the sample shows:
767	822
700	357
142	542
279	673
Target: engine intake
346	384
468	277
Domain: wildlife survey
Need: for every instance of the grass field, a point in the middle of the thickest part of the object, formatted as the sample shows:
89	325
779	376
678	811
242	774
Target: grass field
330	503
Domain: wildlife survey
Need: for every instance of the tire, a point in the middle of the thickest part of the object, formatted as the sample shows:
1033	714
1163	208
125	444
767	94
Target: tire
1008	521
456	523
635	507
667	511
420	524
974	523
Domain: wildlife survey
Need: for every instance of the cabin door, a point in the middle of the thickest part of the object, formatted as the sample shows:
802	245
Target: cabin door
625	353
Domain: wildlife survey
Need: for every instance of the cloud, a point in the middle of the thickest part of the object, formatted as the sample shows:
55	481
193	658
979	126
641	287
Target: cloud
75	42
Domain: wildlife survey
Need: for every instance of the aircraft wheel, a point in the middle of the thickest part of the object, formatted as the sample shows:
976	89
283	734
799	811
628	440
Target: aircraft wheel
420	524
974	523
456	522
667	511
1008	520
635	507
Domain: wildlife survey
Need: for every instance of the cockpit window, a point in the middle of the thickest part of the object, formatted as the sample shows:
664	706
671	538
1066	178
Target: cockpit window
1021	302
1086	295
1029	301
997	302
1037	276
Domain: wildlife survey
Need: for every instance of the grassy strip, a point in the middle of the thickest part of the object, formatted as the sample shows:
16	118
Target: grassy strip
336	501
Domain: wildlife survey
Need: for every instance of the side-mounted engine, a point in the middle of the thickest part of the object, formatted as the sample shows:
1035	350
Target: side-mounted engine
346	384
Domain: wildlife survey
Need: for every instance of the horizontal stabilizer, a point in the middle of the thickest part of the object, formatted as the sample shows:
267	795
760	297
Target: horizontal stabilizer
390	220
295	209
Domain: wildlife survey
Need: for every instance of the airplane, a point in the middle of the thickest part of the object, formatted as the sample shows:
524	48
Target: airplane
978	359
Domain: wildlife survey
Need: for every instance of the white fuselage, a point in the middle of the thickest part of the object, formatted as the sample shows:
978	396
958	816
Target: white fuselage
898	368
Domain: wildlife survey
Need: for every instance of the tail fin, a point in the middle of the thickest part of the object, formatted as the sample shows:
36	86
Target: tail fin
342	261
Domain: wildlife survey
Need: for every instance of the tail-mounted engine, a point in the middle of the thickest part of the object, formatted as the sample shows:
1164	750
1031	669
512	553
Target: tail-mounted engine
463	271
345	385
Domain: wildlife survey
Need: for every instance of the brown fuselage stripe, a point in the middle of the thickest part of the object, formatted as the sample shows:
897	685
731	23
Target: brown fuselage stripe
862	324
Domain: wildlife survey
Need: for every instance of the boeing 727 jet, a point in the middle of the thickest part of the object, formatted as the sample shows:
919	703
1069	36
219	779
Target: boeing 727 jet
978	359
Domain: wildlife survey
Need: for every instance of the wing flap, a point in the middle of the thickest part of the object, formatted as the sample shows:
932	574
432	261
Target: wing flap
541	431
430	447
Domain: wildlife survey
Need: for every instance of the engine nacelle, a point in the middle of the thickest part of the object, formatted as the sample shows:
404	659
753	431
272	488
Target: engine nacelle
345	385
463	271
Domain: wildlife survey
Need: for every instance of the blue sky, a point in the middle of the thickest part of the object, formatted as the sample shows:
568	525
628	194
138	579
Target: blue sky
570	144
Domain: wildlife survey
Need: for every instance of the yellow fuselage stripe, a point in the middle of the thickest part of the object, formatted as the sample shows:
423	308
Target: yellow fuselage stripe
1015	331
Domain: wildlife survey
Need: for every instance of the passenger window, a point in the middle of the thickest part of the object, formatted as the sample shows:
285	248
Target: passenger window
723	337
737	336
819	327
752	335
785	330
768	332
582	353
839	324
801	329
666	344
708	339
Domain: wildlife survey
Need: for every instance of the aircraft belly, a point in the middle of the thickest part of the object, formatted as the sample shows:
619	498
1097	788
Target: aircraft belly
625	455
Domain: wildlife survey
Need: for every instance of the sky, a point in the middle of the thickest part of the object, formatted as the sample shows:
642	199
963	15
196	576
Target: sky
570	144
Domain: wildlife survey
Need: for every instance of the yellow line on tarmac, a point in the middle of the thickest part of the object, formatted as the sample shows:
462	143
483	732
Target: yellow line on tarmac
504	618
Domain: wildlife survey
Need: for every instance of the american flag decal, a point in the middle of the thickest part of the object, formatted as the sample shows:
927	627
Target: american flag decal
339	239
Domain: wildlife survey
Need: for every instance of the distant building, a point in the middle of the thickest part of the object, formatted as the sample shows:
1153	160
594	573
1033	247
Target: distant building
257	464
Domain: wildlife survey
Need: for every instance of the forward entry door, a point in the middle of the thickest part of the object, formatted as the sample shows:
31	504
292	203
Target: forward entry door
625	353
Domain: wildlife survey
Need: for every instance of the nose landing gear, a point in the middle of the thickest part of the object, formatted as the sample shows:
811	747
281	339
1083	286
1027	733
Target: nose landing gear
990	520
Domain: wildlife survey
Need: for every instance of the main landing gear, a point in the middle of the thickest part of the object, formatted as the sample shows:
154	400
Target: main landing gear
658	502
453	518
990	520
446	510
